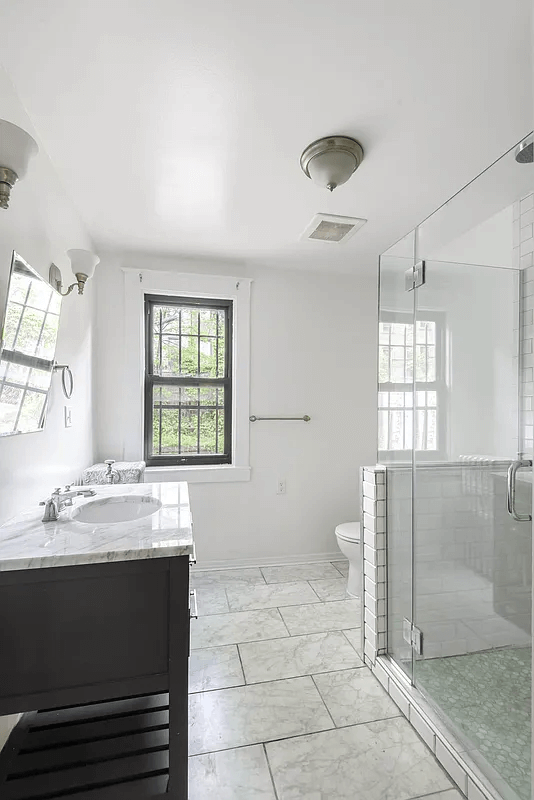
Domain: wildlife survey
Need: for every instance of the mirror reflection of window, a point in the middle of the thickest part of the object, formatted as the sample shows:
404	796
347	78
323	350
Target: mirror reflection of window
29	337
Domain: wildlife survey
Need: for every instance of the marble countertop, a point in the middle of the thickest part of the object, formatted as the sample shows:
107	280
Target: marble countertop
28	543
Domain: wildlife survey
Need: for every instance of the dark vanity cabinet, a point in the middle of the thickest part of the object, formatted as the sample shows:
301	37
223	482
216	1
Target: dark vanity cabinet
97	657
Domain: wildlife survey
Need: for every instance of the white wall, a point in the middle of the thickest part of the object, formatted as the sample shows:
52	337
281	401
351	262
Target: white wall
313	351
41	225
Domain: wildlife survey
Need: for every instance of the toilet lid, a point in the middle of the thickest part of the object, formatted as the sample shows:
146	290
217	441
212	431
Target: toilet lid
350	531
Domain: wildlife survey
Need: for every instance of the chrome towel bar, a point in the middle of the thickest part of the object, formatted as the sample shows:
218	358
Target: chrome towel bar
305	418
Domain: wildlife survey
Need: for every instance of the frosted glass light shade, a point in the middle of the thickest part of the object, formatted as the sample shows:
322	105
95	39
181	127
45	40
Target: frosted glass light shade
83	262
332	168
16	148
331	161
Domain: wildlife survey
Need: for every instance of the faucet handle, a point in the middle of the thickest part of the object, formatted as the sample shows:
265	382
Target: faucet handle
109	461
68	487
57	490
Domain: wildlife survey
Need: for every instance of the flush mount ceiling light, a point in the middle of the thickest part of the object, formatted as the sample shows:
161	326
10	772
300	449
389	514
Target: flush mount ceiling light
83	264
331	161
16	149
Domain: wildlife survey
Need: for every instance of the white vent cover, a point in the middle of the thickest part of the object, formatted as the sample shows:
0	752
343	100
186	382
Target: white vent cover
332	228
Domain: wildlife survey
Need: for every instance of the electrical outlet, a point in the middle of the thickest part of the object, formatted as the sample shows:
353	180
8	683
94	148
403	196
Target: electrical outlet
68	416
281	486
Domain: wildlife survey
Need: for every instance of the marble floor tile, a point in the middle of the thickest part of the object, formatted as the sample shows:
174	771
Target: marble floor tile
239	626
261	712
215	668
297	655
342	566
226	577
299	572
241	774
317	617
383	760
451	794
248	598
354	635
212	600
330	589
353	696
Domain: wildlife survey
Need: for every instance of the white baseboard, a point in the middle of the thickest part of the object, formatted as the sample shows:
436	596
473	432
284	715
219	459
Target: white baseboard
273	561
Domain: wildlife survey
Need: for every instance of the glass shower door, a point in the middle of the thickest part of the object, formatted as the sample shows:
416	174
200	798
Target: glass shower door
395	437
472	560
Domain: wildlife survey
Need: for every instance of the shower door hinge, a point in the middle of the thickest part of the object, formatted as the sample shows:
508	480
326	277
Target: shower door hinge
414	277
412	635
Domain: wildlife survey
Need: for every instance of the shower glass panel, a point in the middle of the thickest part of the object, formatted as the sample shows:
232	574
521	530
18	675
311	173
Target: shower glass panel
395	434
472	573
456	404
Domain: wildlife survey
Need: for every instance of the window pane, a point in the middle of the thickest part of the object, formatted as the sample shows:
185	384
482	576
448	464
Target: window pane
188	420
383	430
188	342
432	433
383	399
383	364
10	402
396	435
31	411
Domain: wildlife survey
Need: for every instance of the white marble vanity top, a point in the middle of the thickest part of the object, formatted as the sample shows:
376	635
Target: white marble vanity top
28	543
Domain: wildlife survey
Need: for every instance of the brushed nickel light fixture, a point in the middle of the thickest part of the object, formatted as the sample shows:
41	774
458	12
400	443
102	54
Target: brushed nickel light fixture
16	149
83	264
331	161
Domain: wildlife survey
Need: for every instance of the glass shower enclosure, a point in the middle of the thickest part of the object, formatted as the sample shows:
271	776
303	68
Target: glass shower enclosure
455	431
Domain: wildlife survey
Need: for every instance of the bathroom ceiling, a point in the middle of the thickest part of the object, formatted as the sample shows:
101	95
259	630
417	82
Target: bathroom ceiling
176	127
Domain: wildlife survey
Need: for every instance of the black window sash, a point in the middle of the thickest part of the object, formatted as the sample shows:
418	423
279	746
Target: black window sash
151	380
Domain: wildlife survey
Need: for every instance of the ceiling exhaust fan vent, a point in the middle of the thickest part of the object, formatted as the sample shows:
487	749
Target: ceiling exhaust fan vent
332	228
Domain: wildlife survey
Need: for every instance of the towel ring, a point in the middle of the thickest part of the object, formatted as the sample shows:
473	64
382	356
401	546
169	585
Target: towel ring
67	380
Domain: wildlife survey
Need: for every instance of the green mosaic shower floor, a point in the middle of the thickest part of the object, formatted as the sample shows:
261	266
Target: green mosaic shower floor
487	696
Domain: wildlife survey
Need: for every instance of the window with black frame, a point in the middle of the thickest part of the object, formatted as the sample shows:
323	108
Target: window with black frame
188	381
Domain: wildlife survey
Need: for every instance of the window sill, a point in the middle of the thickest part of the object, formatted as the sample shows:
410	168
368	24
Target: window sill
204	474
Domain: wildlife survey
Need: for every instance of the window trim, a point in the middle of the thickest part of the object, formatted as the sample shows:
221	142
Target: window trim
138	280
150	379
440	386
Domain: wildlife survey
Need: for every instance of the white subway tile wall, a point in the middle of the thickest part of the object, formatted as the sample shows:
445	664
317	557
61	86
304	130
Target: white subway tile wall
373	502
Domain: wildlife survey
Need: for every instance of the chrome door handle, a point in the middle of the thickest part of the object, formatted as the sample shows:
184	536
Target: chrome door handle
510	494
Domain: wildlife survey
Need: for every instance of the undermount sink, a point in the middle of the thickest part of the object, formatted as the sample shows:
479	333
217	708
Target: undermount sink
117	509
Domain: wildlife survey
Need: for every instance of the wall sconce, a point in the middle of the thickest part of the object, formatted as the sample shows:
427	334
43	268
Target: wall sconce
83	264
16	149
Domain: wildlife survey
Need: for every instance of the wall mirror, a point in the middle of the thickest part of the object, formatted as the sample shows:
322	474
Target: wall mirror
27	349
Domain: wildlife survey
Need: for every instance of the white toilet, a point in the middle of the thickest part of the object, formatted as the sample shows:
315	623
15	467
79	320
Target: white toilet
348	539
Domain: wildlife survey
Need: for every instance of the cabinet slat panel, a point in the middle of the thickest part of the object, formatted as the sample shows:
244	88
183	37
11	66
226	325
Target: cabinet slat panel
42	740
96	711
94	752
92	776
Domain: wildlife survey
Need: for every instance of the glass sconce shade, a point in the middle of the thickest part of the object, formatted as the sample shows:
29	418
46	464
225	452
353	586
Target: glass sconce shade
16	148
83	262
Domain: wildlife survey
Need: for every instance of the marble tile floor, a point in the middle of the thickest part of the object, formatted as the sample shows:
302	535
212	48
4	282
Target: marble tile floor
281	704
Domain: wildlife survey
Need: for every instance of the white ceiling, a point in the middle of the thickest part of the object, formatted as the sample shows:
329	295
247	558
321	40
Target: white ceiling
176	127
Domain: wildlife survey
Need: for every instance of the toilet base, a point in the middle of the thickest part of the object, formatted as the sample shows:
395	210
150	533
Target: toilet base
354	583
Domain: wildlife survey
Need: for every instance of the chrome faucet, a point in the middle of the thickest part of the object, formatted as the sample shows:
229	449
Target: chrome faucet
112	476
61	499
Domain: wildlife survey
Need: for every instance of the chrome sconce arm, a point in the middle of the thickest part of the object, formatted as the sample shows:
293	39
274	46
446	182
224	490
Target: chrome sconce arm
83	264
